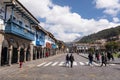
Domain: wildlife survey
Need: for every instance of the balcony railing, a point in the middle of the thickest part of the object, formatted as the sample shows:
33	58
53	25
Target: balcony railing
40	42
19	30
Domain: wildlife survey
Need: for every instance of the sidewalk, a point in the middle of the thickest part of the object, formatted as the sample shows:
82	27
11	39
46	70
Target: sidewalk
15	68
116	60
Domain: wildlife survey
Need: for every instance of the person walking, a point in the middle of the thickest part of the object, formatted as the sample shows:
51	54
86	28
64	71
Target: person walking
108	55
104	59
46	54
112	56
71	60
90	57
67	60
98	57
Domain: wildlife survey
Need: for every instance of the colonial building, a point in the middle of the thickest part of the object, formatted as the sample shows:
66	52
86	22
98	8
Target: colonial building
50	44
18	27
38	51
21	36
82	47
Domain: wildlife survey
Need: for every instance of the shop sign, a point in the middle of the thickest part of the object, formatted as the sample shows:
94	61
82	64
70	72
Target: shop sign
48	45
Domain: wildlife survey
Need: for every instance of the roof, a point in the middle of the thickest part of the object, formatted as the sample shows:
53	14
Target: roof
27	11
10	3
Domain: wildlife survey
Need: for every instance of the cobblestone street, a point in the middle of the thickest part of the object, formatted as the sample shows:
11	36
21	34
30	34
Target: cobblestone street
59	40
52	70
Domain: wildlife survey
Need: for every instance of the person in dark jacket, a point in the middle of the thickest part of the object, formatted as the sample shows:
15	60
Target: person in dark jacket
67	60
90	57
71	60
97	56
104	59
108	55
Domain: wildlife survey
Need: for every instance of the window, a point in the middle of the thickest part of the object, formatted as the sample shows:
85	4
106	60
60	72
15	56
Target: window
20	22
27	26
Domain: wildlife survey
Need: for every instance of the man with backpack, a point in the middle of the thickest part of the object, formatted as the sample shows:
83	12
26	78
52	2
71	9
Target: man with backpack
71	60
67	60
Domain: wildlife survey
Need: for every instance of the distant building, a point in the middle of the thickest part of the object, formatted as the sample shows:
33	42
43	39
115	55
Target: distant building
82	47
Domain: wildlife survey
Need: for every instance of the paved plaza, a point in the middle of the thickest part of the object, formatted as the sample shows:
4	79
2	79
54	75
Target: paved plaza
53	68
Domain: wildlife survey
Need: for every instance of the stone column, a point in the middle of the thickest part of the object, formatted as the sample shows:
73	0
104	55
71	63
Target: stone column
18	55
39	53
44	50
0	52
1	41
42	53
35	54
31	51
10	55
55	51
50	52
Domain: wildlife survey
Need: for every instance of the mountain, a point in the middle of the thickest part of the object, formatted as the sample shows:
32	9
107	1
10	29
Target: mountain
77	39
104	34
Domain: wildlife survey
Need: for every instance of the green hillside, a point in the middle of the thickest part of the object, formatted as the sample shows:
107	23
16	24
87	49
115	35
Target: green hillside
104	34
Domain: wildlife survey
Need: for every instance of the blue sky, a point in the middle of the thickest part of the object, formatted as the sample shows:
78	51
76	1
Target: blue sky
70	19
85	8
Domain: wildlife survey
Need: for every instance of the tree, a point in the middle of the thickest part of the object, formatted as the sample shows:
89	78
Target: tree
91	50
112	46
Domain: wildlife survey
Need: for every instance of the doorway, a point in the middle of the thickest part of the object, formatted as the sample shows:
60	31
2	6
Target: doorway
4	56
14	55
21	55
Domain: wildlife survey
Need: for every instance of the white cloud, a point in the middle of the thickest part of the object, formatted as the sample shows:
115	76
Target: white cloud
64	24
111	7
40	8
115	19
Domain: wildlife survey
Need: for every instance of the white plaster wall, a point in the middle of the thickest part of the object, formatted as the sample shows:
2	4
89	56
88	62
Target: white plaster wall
2	26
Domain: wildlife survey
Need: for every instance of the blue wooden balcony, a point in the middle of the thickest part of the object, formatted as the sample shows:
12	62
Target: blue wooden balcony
19	30
40	42
40	38
54	46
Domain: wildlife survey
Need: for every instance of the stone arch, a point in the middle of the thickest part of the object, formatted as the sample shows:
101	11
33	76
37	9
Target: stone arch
22	47
15	44
14	51
4	53
5	43
34	53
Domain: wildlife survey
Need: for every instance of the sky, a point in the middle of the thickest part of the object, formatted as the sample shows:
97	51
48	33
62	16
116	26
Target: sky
71	19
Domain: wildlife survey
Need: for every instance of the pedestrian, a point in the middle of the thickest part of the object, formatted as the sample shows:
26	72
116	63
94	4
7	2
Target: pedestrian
104	59
108	55
67	60
46	54
21	64
98	57
90	57
71	60
21	61
112	56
